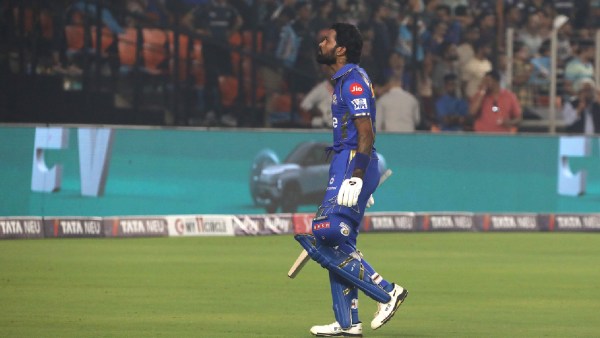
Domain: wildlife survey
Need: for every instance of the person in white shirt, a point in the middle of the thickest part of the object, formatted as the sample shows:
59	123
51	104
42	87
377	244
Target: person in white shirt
318	103
582	112
475	69
397	110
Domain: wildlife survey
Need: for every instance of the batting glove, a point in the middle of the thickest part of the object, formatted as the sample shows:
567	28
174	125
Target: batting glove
370	202
349	191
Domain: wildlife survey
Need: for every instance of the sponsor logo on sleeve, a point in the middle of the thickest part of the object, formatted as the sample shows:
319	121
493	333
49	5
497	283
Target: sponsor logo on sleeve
360	103
356	89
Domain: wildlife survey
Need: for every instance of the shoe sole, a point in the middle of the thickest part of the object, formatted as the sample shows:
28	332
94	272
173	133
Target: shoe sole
399	302
341	334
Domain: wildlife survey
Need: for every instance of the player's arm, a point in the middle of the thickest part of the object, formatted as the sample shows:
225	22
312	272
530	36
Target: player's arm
366	137
357	94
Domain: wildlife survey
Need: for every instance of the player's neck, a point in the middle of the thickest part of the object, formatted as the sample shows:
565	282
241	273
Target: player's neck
338	65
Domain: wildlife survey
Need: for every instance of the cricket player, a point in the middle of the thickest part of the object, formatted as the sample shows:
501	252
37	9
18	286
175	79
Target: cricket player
353	178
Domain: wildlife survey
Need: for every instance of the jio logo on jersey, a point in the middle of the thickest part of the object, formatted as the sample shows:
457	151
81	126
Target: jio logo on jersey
356	89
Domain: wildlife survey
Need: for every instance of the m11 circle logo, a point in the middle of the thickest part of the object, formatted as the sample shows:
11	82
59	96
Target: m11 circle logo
356	89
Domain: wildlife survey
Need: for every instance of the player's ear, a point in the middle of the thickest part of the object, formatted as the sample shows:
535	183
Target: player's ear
340	51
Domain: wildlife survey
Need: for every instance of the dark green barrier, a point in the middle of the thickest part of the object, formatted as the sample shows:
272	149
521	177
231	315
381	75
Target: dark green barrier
156	172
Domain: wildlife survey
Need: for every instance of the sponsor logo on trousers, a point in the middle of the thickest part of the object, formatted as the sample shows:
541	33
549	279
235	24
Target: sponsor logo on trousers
17	227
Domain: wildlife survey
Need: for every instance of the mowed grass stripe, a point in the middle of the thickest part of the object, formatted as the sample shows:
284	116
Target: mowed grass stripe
461	285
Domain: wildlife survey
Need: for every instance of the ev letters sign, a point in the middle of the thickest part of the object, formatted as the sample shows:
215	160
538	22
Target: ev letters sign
95	145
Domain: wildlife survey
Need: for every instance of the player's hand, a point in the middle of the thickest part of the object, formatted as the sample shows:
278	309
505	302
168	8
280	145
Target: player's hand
349	191
370	202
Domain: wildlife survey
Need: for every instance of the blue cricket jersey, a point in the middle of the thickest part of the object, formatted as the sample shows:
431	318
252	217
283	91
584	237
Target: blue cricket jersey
353	97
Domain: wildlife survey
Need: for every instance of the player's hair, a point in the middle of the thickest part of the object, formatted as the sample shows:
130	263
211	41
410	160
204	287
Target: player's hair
348	35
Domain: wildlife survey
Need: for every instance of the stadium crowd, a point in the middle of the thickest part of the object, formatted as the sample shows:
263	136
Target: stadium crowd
428	59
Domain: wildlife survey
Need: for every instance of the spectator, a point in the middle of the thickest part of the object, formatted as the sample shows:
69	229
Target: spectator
453	26
429	12
564	51
397	110
514	15
395	71
582	112
272	73
494	109
404	42
324	17
464	19
318	103
538	5
425	91
531	35
580	67
434	39
522	69
466	49
594	15
447	65
452	112
90	9
455	3
541	70
382	44
301	78
216	21
475	69
487	26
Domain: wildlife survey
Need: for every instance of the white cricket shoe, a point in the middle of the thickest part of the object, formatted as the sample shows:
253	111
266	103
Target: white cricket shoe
335	330
386	311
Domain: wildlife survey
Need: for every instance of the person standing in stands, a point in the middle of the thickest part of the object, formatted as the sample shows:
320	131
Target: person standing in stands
216	21
494	108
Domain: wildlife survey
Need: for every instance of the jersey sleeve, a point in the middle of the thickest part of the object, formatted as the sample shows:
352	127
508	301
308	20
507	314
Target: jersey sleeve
357	94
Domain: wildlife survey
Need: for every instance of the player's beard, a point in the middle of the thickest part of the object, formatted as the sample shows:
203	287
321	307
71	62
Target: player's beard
326	59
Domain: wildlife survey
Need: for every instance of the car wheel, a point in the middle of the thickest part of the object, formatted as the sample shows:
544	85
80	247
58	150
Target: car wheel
271	208
290	198
263	159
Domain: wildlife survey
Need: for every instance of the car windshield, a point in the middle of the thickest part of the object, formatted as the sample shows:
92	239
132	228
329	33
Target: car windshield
308	154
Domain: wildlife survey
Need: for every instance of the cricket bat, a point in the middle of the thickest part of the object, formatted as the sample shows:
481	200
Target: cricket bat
303	258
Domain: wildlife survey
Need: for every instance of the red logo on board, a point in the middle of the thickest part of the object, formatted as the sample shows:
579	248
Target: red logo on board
356	89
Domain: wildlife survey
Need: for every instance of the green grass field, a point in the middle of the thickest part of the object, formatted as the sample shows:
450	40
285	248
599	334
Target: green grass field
461	285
